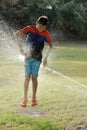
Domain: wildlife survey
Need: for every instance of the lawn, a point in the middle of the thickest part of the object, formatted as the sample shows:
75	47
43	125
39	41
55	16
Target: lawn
62	96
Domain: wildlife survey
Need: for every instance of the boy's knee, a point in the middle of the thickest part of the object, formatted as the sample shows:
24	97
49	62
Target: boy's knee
34	78
27	78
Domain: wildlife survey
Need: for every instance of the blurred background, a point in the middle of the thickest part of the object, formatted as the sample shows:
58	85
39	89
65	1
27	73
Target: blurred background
67	18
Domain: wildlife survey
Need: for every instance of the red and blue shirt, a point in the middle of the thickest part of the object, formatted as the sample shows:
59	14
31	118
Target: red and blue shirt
36	39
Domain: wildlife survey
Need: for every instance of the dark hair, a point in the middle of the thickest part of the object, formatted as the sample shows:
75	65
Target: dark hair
43	20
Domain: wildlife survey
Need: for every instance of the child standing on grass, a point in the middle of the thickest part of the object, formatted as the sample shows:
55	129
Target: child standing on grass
36	35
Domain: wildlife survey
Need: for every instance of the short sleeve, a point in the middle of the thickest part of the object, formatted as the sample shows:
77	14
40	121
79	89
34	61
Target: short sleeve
48	37
24	30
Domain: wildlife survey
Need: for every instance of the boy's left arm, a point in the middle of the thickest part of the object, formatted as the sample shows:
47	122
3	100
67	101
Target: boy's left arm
44	62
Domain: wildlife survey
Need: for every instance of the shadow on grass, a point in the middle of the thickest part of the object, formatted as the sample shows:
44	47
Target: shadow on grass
77	124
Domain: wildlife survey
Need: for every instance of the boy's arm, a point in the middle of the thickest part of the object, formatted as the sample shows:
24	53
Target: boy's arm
44	62
20	34
16	35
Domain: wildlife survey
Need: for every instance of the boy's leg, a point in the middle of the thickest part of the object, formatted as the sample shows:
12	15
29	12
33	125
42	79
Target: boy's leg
34	90
34	87
26	85
26	81
35	70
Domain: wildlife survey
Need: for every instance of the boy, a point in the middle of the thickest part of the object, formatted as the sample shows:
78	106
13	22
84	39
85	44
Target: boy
35	37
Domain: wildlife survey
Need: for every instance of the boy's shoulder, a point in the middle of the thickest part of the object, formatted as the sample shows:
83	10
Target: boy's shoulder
31	26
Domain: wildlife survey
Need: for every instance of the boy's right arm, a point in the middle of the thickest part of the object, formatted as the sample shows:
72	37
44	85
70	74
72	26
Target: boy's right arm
15	37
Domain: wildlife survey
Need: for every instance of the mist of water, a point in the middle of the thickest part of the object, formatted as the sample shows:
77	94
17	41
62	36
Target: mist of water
8	46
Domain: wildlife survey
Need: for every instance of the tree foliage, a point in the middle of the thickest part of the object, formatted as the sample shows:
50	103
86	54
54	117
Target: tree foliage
68	15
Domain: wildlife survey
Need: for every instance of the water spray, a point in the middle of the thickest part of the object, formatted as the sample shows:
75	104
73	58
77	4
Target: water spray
65	77
8	46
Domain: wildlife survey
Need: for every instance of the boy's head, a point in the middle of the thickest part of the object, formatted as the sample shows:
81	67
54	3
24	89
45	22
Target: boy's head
43	20
42	23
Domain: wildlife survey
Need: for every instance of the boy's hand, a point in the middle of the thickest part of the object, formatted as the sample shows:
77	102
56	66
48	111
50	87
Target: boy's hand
44	62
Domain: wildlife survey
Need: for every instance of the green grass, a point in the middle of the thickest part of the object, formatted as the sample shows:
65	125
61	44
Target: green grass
71	61
62	104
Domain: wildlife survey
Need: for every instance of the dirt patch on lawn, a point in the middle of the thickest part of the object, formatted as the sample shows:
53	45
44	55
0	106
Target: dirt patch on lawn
34	112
